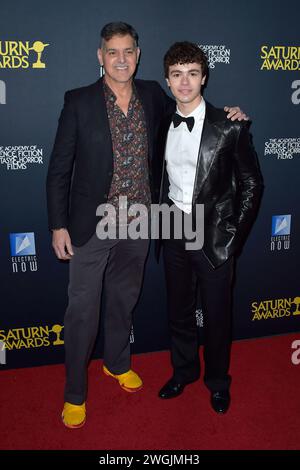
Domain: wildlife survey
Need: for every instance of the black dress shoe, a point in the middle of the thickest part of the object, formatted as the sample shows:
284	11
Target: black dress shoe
220	401
171	389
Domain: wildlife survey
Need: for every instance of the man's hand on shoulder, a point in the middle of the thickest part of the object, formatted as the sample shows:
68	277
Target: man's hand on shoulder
61	243
235	113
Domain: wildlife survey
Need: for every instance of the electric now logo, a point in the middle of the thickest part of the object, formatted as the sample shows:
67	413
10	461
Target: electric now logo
281	232
22	244
295	358
281	225
23	252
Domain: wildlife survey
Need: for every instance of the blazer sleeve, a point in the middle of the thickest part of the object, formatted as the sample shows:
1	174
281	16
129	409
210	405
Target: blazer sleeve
61	166
249	179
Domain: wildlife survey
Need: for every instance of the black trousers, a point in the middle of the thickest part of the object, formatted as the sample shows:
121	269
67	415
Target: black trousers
182	269
118	265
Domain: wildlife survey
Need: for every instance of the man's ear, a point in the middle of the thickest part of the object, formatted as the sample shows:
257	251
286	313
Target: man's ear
138	51
99	55
203	80
168	83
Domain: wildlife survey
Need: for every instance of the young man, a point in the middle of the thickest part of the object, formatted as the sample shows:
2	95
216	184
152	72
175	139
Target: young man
204	159
103	150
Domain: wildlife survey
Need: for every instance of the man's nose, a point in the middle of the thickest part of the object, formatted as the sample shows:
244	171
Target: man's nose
121	57
184	79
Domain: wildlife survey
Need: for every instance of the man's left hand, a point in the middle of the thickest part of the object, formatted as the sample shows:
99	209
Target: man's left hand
235	113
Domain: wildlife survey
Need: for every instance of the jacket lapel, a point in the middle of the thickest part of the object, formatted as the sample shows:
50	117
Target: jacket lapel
146	101
163	135
100	118
98	136
207	151
99	115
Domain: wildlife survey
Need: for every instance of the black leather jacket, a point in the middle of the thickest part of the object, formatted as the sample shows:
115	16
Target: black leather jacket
228	182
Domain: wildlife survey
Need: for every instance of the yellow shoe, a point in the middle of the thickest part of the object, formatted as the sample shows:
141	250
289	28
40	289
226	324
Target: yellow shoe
73	416
129	381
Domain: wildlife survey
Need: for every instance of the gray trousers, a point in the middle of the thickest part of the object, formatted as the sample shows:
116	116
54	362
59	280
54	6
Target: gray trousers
119	266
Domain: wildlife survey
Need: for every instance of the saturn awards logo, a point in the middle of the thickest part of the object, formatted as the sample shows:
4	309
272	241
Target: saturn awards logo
32	337
277	58
22	55
275	308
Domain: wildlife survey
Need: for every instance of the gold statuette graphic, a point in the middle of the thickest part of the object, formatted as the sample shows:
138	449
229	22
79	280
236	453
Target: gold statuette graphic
297	303
38	47
57	329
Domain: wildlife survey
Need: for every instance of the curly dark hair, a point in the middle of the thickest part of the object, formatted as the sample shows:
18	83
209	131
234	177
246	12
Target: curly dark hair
185	53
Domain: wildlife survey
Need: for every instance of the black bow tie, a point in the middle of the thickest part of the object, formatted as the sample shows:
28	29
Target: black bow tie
177	119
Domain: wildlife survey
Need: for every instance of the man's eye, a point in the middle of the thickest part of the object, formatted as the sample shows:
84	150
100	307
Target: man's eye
129	52
111	53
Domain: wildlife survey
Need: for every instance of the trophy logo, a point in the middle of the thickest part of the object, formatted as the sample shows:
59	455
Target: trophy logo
57	329
38	47
297	303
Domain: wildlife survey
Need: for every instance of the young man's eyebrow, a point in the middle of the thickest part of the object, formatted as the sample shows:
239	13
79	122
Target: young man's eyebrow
182	71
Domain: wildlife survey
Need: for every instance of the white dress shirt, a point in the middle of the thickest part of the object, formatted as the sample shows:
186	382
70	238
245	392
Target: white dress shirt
181	157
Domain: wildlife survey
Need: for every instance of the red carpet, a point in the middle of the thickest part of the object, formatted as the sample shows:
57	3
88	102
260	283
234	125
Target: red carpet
264	414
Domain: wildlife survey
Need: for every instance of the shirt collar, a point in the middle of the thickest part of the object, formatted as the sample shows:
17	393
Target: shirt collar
198	113
110	96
